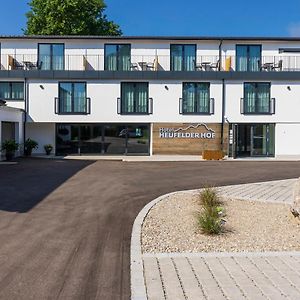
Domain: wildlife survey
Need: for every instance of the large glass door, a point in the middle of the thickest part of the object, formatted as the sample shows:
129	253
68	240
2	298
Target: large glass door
262	140
248	58
252	140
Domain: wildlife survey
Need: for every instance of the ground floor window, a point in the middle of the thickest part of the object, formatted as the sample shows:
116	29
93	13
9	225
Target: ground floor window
253	140
103	139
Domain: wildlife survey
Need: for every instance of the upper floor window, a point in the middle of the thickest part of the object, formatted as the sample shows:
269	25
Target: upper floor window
183	57
12	90
51	56
257	97
117	57
248	57
195	98
72	97
134	98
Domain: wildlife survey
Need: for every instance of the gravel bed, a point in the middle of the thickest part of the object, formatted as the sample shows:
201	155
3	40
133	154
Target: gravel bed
171	226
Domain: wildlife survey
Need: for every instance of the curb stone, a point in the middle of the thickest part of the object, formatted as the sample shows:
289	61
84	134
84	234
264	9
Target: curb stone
138	286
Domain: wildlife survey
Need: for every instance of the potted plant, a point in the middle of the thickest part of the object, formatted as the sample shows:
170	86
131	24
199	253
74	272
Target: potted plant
10	146
29	145
48	148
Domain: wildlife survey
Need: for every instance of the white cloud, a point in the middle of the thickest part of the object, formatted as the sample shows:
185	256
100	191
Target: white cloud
294	29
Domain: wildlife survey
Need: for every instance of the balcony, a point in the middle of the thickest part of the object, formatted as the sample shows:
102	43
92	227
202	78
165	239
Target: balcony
136	109
81	106
195	109
258	108
148	63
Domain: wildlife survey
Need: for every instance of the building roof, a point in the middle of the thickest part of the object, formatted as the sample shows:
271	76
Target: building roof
205	38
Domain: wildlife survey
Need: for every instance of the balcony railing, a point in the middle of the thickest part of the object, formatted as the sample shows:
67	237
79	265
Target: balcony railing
83	107
209	110
268	109
202	63
146	109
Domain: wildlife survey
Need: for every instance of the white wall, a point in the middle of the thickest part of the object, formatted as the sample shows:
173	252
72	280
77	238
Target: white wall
17	116
287	103
104	96
287	139
43	133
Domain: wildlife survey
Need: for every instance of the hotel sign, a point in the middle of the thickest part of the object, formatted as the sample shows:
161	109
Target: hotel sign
187	133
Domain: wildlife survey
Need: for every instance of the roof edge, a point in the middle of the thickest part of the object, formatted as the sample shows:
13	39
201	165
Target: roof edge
204	38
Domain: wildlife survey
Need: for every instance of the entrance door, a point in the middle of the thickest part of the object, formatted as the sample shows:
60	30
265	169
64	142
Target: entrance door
262	140
253	140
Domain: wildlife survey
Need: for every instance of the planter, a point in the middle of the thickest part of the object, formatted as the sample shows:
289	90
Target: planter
48	152
9	156
212	154
28	152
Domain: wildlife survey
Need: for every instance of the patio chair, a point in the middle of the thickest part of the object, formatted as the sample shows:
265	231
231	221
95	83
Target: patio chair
199	67
150	66
277	66
134	66
215	66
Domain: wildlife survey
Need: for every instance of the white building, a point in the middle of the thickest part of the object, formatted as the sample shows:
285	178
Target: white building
155	95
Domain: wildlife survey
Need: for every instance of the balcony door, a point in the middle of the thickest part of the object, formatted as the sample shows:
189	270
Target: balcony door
248	58
51	56
183	57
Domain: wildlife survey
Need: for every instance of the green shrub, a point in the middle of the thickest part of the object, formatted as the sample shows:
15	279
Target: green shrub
209	218
209	197
209	222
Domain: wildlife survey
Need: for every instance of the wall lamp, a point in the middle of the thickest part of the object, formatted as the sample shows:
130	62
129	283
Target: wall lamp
288	87
42	87
166	87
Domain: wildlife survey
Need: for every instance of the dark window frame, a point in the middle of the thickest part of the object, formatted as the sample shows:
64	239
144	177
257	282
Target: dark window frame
10	91
248	56
72	97
135	102
183	100
182	58
51	56
116	44
256	98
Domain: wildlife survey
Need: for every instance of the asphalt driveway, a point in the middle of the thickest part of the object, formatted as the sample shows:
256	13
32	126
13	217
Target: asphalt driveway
65	225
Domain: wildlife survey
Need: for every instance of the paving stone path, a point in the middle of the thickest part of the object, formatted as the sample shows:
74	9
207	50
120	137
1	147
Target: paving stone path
222	276
195	276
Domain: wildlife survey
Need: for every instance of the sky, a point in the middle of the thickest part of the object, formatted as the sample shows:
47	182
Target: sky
179	17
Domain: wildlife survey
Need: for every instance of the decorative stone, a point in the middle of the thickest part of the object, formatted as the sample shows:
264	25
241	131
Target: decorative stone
295	208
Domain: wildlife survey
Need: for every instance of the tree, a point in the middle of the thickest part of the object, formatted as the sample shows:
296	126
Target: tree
69	17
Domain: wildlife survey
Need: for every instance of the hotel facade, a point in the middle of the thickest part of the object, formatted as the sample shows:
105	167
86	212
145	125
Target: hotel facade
152	95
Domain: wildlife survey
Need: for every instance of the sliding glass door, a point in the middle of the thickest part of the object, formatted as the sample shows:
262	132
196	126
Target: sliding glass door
183	57
117	57
51	56
248	58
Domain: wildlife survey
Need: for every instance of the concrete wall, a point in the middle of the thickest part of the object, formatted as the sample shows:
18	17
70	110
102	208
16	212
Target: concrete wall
17	117
43	133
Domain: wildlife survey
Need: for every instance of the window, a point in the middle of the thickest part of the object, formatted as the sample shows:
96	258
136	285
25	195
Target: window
195	98
72	97
51	56
12	90
248	57
134	98
183	57
257	97
117	57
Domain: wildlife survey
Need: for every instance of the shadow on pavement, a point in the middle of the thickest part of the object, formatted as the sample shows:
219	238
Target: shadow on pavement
25	184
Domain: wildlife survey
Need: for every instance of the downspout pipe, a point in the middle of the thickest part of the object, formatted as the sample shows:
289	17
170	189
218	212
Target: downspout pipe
223	111
26	111
220	55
